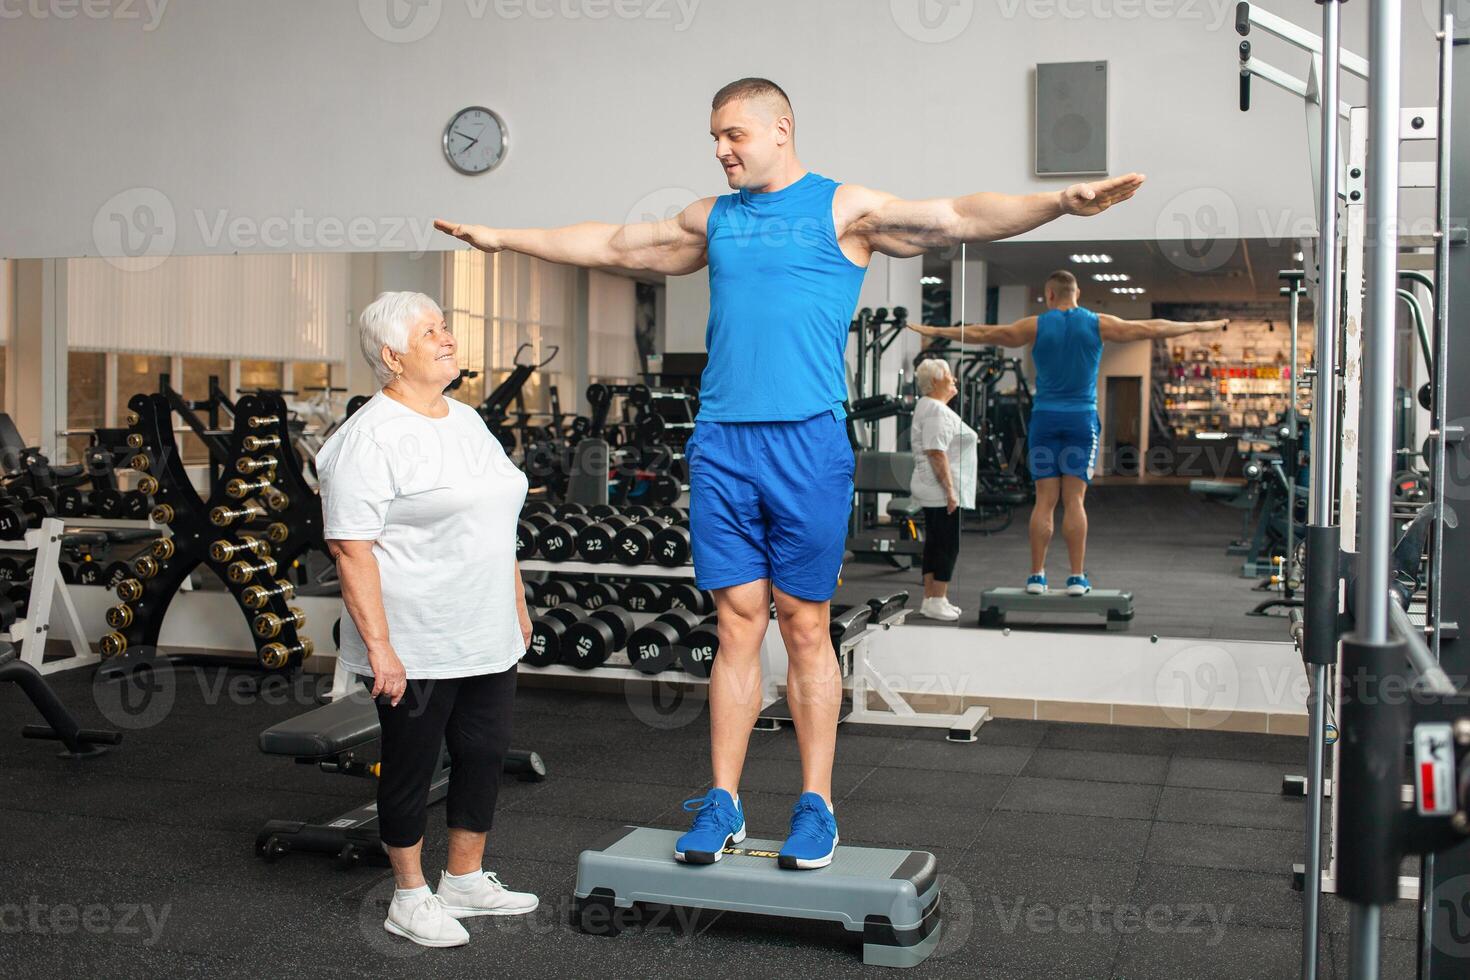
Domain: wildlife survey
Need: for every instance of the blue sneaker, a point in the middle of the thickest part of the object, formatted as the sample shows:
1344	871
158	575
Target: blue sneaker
1078	585
1036	584
813	835
718	822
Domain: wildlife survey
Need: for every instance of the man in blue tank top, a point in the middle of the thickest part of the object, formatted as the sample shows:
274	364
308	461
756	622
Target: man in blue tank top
1061	438
770	466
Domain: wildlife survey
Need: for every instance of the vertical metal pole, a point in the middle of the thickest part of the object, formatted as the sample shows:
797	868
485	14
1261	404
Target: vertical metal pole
1438	420
1288	567
1384	24
1441	313
1319	499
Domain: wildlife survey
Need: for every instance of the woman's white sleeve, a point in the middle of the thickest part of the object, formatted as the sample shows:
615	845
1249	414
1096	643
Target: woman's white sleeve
356	488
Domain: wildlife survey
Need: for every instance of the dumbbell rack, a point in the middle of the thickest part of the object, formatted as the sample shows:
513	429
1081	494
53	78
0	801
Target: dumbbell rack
47	587
607	568
287	506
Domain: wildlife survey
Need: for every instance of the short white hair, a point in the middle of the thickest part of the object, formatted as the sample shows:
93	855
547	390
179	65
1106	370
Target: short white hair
385	322
929	371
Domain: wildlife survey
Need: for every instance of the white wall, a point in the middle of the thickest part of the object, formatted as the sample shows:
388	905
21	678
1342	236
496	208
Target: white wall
278	125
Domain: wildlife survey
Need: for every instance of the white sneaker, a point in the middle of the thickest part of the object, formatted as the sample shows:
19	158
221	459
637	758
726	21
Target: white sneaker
426	922
484	895
952	607
936	608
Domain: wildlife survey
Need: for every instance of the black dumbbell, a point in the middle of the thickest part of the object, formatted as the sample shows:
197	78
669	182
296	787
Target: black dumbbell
653	648
595	595
13	520
633	545
601	511
533	592
115	572
37	509
568	509
671	546
641	596
525	540
107	502
558	542
547	634
666	489
595	542
589	642
556	592
533	507
672	515
637	511
73	502
15	569
684	595
697	650
136	504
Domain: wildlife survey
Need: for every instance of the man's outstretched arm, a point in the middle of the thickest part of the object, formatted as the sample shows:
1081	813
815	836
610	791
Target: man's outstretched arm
1113	328
1017	334
674	246
893	226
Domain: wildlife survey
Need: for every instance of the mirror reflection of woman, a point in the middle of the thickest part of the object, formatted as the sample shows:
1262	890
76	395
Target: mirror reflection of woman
945	464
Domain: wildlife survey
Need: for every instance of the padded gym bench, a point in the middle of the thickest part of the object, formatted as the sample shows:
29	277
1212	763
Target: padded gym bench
1116	607
890	896
330	737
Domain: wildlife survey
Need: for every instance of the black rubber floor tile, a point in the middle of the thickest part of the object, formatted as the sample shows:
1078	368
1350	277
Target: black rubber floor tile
1397	959
1112	738
918	827
1063	835
1229	808
1013	731
603	799
1169	946
1230	898
1230	848
1229	774
37	952
957	757
783	776
856	750
907	787
1091	799
1107	767
1286	750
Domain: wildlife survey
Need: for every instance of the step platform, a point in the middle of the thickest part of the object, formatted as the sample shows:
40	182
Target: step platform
890	896
1114	606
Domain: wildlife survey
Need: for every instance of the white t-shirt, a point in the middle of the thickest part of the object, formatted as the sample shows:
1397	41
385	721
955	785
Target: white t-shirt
936	426
439	499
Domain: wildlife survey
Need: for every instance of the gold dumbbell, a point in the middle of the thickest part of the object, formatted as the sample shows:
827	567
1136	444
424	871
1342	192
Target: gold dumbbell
261	421
257	596
120	617
145	567
130	590
223	550
239	488
147	485
135	440
225	516
113	643
131	419
249	464
268	625
162	514
139	461
241	572
277	532
163	549
277	499
277	655
256	443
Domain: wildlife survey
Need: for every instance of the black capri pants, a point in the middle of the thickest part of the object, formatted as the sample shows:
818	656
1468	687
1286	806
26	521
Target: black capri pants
469	715
941	542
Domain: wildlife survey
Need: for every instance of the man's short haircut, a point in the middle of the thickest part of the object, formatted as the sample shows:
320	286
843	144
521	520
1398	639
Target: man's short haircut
1062	283
755	88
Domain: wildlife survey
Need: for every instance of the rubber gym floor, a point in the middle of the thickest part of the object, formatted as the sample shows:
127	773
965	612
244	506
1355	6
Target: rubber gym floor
1069	850
1161	542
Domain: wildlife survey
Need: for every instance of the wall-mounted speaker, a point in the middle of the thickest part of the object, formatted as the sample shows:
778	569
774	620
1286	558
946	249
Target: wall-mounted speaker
1072	118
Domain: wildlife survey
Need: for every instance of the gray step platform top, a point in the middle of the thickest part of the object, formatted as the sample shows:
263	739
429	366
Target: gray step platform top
1057	600
890	895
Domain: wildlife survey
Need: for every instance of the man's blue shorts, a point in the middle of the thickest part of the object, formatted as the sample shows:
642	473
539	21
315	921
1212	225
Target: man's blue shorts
1062	444
770	500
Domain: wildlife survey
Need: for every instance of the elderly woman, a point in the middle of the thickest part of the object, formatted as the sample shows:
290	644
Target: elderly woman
945	464
419	508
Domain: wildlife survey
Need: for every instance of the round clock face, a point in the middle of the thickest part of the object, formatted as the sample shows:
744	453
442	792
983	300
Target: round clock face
475	140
